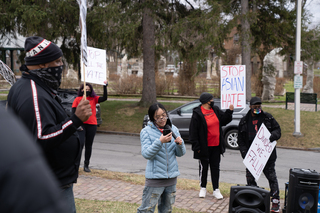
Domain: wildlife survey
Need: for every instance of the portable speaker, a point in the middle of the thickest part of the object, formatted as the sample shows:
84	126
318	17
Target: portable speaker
249	199
303	191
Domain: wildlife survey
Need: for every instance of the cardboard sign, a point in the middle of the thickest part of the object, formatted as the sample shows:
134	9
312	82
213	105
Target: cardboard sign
96	70
259	152
83	26
233	86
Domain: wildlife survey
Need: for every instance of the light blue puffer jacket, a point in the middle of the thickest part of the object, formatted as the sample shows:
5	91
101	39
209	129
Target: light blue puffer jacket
162	162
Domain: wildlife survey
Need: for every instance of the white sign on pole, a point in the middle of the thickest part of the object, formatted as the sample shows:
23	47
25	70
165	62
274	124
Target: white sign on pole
83	15
259	152
298	81
96	70
233	86
298	67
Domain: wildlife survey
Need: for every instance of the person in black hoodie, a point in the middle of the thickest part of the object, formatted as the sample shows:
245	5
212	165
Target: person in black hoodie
27	184
248	127
205	134
34	99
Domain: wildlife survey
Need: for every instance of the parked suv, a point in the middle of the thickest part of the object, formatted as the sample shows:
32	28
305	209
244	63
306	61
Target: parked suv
67	97
181	118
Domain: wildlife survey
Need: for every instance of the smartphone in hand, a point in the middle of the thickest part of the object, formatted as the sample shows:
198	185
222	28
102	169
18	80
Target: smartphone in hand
166	131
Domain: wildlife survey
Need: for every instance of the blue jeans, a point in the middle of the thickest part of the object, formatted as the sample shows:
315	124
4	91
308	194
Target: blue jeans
67	195
163	196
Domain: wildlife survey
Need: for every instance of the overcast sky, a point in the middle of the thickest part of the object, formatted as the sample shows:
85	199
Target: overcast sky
314	7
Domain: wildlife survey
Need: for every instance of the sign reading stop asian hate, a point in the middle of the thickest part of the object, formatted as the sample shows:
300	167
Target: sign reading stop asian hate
96	70
233	86
259	152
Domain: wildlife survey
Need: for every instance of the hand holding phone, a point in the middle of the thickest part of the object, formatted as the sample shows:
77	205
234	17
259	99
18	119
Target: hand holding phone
166	131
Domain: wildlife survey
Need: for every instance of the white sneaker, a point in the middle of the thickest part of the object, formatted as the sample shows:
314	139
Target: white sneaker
217	194
203	192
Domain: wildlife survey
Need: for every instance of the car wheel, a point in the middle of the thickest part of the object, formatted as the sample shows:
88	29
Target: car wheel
231	139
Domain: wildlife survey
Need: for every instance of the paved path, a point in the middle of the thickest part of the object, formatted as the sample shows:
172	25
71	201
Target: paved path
96	188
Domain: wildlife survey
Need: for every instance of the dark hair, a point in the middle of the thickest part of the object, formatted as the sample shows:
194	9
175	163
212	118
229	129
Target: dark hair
153	108
80	92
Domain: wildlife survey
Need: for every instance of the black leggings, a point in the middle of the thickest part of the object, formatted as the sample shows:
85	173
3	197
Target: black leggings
86	138
214	163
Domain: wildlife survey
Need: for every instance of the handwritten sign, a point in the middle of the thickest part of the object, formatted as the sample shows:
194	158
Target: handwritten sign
259	152
96	70
233	86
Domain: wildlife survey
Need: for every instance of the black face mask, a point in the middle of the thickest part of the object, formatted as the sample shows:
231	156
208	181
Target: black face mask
212	104
87	93
51	76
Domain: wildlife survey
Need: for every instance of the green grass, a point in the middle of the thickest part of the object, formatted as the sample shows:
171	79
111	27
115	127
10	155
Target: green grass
125	116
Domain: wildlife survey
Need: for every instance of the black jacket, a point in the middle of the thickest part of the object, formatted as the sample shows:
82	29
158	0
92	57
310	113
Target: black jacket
271	124
26	182
198	131
54	131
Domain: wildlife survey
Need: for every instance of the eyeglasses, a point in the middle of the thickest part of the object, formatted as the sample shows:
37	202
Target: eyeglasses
161	117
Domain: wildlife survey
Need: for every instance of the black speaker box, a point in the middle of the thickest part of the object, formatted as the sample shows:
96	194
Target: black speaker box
249	199
303	191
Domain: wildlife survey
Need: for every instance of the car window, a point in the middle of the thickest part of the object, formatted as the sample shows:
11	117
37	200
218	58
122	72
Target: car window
189	108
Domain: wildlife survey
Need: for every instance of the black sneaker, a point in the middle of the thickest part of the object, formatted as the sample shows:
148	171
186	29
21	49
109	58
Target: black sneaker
275	205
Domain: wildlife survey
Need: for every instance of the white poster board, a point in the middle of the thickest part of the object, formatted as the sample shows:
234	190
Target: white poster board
259	152
96	70
233	86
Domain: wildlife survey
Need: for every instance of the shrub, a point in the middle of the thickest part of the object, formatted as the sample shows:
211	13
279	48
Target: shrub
128	85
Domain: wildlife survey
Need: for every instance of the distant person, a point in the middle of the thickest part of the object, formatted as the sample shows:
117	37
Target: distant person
27	184
206	136
248	128
89	128
162	167
34	99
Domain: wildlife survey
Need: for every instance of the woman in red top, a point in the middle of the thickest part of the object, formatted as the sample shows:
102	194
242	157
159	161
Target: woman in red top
205	134
89	127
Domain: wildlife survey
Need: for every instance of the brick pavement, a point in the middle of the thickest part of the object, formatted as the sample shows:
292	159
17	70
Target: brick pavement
95	188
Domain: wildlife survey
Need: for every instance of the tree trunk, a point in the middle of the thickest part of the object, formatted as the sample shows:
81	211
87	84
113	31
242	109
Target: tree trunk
246	48
149	86
186	78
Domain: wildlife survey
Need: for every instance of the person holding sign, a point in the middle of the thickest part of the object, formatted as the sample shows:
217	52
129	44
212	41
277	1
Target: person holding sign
205	134
34	99
248	128
89	128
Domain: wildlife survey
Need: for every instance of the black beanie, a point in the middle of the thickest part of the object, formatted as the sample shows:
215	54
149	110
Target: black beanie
205	97
40	51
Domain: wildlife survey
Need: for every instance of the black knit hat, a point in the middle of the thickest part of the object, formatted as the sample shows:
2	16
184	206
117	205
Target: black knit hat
205	97
40	51
255	100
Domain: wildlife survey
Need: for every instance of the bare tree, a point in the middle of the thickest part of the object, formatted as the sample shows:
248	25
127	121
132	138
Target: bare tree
149	89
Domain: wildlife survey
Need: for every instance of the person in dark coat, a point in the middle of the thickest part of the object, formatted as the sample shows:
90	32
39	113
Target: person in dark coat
34	99
248	127
205	134
27	184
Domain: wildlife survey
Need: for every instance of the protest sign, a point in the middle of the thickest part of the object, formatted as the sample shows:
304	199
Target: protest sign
233	86
96	70
259	152
83	27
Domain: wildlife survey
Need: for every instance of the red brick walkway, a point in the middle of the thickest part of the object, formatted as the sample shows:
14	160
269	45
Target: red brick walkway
95	188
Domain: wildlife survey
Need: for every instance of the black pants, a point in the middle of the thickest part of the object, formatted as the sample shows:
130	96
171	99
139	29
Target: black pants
270	172
214	162
86	138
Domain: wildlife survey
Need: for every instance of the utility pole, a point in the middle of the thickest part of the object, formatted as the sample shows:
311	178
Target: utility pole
297	74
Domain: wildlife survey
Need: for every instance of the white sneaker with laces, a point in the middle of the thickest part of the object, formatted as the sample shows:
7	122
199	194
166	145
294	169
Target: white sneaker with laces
203	192
217	194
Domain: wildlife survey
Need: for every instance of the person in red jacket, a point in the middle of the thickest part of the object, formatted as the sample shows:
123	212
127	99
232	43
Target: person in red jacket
89	128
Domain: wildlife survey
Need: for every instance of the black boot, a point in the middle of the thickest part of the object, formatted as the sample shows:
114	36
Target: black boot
86	167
